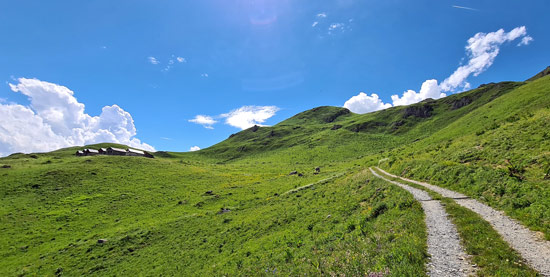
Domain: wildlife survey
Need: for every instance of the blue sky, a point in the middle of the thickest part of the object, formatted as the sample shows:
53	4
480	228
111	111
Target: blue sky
162	63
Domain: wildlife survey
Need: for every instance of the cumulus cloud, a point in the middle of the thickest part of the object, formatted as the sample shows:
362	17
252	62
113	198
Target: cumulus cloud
194	148
429	89
314	23
322	15
204	120
55	119
204	75
181	59
153	60
482	49
362	103
248	116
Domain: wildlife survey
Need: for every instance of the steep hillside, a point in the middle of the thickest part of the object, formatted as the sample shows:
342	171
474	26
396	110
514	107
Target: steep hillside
354	134
498	153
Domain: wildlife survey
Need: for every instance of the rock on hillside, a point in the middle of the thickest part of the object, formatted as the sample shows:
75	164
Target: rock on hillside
541	74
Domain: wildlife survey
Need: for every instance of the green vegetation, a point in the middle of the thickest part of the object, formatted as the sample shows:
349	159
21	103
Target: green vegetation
233	208
498	154
492	255
159	216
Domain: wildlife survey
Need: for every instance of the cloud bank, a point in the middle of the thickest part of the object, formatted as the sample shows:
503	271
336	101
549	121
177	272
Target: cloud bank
55	119
242	118
481	50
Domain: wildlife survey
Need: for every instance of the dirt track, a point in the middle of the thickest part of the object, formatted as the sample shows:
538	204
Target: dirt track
448	258
535	250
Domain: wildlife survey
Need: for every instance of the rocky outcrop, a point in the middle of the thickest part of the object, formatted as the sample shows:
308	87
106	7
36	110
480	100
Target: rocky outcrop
422	111
366	126
459	103
334	116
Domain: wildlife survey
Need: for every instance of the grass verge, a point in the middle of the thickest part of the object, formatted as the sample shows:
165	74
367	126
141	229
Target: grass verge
492	255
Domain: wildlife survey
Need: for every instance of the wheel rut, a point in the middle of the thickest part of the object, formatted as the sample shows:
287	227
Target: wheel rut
534	249
447	257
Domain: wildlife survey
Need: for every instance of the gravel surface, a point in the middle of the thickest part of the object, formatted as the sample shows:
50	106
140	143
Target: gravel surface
533	248
447	255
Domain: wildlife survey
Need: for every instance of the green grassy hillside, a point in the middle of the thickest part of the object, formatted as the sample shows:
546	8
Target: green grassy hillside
234	209
499	153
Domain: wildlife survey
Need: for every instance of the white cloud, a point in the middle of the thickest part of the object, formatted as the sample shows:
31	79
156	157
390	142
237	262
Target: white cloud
153	60
482	49
465	8
336	27
429	89
171	63
56	119
320	17
23	131
194	148
362	103
243	117
204	120
525	41
248	116
204	75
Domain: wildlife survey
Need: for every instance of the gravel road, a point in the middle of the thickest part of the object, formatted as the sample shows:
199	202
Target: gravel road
447	255
533	248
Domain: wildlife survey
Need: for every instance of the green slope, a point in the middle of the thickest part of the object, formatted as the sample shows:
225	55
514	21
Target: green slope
499	153
224	210
338	134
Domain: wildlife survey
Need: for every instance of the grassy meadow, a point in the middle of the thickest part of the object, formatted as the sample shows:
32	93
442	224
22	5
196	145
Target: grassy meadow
233	209
187	216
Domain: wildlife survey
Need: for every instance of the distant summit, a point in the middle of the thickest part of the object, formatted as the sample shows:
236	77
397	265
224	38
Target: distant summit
541	74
